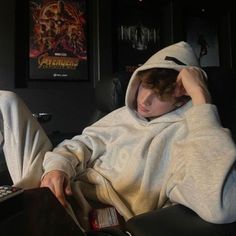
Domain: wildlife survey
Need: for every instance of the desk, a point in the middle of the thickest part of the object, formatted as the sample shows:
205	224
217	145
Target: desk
38	213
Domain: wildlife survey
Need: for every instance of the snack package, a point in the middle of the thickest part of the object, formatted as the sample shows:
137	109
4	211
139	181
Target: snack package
103	218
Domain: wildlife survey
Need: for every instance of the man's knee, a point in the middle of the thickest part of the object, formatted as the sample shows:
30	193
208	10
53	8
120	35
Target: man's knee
8	97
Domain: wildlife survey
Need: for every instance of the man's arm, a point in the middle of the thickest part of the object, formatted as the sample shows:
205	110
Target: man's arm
192	82
67	160
203	170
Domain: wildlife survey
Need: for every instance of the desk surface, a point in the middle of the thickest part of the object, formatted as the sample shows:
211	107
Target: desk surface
38	214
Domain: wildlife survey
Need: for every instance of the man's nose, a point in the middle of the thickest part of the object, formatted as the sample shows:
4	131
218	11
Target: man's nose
146	99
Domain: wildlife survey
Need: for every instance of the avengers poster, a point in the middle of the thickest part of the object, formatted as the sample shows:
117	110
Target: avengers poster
58	40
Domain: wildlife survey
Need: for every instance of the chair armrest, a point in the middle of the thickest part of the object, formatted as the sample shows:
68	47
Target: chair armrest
176	220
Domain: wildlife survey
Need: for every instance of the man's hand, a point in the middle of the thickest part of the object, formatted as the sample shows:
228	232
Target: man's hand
192	82
59	183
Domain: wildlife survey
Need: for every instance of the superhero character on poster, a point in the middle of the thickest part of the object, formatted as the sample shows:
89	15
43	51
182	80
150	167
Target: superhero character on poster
58	41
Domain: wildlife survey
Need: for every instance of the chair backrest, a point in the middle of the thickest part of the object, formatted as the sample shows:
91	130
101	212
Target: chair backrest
110	94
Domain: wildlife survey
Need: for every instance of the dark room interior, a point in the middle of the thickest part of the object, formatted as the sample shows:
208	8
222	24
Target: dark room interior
66	104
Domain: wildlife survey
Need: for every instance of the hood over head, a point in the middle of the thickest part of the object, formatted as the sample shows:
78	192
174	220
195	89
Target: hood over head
176	56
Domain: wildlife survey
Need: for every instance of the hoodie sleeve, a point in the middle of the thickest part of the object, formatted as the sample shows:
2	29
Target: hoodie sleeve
75	155
70	156
204	175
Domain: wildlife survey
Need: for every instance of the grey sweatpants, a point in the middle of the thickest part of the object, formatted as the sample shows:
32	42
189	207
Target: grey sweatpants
23	141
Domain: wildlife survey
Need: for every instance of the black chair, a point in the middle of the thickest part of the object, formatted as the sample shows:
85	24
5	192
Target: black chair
175	220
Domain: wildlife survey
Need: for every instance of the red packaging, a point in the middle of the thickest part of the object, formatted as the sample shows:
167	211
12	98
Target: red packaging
103	218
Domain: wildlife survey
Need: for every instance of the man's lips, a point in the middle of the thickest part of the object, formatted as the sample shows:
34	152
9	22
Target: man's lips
141	108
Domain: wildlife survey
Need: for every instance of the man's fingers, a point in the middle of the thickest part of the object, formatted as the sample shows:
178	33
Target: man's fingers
61	197
59	191
58	184
68	190
179	89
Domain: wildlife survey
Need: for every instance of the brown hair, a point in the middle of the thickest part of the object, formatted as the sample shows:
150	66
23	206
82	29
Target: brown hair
161	80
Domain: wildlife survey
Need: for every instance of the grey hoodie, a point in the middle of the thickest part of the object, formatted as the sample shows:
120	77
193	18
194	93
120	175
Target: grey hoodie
184	156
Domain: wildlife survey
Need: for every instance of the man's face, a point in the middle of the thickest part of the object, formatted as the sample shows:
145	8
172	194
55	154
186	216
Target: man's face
149	105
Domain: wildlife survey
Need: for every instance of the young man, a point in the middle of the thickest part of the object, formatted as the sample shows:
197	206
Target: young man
165	146
159	149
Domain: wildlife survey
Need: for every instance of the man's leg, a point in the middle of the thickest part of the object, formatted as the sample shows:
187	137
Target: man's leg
24	141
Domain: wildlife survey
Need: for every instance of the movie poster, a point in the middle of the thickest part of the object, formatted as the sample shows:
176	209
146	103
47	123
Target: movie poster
137	34
202	35
58	40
